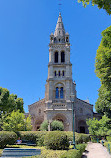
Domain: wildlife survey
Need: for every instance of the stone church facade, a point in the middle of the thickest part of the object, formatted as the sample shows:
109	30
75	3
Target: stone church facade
60	90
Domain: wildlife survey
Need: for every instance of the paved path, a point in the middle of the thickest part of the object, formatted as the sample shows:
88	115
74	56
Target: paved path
96	150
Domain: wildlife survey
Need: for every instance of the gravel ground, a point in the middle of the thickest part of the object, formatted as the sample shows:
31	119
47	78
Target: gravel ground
96	150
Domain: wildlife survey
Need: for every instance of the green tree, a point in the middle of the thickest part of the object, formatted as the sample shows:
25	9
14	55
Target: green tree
9	102
103	103
105	126
99	127
93	126
102	4
16	121
103	71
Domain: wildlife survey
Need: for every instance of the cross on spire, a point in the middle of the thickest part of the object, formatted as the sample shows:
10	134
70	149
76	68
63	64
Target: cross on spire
59	4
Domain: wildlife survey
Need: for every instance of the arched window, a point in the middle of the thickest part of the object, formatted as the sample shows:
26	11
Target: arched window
62	73
57	92
67	39
59	73
62	57
61	93
55	73
56	57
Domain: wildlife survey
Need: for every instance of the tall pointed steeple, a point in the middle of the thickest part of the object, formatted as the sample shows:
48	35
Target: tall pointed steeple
59	30
59	35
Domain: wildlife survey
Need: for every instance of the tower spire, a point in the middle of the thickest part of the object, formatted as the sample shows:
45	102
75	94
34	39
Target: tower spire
59	30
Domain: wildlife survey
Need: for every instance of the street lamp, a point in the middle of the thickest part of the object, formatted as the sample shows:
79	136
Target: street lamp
72	97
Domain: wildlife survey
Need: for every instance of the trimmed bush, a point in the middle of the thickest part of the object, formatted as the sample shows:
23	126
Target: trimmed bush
7	138
72	154
39	136
44	126
75	153
79	137
81	147
33	136
57	125
56	140
85	138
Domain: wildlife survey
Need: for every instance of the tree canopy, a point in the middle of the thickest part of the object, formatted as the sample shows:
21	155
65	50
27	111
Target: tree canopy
99	128
9	102
102	4
103	71
16	121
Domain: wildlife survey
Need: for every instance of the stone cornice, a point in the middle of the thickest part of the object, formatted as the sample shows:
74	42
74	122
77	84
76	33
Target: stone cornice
62	79
59	45
57	110
59	64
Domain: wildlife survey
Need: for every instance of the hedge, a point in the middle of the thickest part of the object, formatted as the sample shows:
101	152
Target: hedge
45	153
33	136
56	140
79	137
38	136
7	138
75	153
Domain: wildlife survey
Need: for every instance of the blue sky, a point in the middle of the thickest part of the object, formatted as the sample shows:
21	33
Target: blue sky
25	27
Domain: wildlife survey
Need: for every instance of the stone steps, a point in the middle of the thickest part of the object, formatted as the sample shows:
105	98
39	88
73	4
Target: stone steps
19	152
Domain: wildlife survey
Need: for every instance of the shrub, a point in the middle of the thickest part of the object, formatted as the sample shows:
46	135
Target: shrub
56	140
39	136
79	137
33	136
57	125
108	138
44	126
71	154
85	137
7	138
106	145
75	153
81	147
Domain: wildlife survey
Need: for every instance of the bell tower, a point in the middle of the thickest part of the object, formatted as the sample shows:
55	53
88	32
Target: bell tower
59	84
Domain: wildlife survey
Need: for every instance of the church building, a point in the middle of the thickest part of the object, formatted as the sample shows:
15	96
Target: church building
60	89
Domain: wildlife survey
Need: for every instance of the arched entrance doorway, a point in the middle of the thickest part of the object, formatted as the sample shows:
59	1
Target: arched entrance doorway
82	126
37	124
63	119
